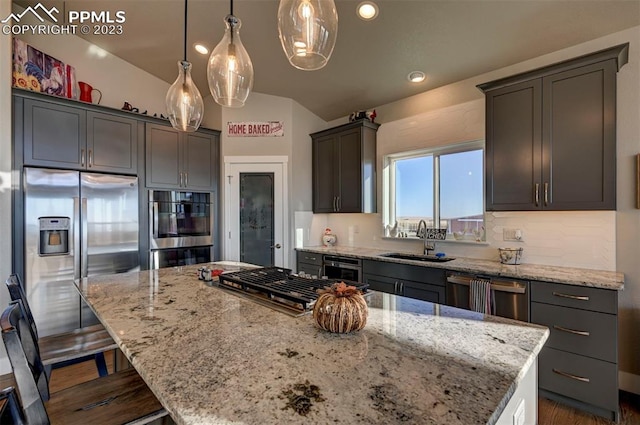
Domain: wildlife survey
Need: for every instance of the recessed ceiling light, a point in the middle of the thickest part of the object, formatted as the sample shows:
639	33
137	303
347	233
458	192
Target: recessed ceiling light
367	10
416	76
200	48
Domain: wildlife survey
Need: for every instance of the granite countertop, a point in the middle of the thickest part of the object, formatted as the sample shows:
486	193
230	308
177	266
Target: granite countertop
213	357
566	275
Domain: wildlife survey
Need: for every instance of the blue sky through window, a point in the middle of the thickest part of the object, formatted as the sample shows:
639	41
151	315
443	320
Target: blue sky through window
460	185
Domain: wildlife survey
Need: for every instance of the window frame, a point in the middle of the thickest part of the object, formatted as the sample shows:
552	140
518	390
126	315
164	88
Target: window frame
388	177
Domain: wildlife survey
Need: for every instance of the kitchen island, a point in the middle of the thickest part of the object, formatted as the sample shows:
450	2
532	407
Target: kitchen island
213	357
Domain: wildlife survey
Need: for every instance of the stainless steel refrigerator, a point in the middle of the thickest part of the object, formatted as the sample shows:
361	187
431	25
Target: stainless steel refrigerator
76	225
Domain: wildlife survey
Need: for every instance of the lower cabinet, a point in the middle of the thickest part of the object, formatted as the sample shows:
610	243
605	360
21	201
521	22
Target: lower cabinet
309	263
422	283
579	363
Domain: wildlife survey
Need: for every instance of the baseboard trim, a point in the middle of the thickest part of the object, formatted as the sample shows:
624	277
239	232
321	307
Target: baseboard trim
629	382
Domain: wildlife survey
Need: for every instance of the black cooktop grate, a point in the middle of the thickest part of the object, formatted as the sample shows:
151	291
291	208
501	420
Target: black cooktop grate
277	282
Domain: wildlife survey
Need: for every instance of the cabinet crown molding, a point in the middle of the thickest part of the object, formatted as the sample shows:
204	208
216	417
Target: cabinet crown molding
619	53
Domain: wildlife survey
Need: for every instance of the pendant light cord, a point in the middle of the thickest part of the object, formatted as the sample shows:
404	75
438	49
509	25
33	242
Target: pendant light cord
231	8
185	30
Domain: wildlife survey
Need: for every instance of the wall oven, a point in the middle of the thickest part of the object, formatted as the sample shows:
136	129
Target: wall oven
342	268
172	257
180	219
181	228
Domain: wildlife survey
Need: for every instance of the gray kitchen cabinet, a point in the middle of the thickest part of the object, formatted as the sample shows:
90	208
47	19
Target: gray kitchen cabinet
112	143
61	136
423	283
579	363
309	263
551	136
344	168
178	160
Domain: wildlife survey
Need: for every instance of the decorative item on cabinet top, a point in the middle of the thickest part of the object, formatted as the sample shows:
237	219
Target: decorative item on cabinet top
36	71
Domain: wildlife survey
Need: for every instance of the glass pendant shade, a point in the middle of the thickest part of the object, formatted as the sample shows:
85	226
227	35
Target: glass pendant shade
308	31
184	102
230	71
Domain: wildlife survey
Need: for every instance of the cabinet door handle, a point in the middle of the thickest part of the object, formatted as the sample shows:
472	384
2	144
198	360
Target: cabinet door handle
546	194
334	203
82	157
537	193
181	179
90	157
338	202
186	179
571	331
569	375
572	297
395	287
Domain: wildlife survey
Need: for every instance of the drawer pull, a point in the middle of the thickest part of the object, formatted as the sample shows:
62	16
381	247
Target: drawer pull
569	375
571	331
573	297
310	258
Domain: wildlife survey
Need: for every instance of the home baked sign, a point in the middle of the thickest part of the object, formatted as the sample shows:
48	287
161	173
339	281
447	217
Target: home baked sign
255	129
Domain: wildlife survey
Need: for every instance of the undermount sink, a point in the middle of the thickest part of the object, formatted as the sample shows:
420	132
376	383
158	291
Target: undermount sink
417	257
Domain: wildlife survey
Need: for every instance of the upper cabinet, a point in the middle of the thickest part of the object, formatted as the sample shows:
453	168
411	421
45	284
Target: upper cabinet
551	136
179	160
344	168
63	136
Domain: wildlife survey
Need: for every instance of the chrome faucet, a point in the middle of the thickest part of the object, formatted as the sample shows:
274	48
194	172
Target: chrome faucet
421	232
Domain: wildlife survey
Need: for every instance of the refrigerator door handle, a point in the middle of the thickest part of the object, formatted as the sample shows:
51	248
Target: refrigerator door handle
154	221
76	237
85	254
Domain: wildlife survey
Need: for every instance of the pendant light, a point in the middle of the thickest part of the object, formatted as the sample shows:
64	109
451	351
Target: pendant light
230	71
184	102
308	31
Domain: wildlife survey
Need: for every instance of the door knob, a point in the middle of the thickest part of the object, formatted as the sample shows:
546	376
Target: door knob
276	246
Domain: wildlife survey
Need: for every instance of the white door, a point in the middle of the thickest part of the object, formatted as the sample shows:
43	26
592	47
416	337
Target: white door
256	207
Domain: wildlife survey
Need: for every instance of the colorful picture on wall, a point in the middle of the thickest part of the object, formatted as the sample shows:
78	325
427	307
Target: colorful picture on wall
34	70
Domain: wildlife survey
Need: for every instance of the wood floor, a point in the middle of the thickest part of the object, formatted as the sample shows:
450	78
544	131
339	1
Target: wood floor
549	412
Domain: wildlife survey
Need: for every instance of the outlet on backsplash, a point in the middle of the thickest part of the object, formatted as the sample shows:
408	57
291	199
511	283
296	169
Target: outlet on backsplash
512	235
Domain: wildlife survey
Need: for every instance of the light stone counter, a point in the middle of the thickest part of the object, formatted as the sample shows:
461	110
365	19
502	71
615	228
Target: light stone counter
212	357
567	275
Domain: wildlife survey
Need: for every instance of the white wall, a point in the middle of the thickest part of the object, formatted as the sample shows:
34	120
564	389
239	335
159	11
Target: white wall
298	122
5	172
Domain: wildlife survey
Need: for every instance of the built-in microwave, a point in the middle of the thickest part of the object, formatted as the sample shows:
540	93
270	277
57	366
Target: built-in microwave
179	219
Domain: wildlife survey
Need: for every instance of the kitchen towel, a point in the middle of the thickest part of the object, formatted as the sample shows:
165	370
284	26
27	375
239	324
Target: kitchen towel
480	296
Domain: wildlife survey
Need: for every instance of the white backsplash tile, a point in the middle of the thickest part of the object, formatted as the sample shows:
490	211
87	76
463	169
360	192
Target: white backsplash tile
584	239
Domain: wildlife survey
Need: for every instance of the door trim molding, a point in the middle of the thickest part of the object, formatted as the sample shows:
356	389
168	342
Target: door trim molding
281	160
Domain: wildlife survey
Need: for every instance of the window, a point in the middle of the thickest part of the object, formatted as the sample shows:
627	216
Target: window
443	185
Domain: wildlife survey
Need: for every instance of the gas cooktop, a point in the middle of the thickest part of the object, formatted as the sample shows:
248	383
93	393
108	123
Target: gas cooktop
278	288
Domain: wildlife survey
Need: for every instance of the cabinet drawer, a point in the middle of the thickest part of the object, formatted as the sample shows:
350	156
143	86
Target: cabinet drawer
586	298
309	258
582	378
588	333
381	283
423	291
403	271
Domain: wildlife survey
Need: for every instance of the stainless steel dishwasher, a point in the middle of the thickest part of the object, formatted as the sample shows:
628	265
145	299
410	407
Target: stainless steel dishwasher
510	297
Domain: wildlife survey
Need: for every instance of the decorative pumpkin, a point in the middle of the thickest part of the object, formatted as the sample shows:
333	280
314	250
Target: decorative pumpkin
340	309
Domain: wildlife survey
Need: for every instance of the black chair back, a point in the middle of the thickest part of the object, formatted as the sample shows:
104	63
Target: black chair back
12	413
16	292
28	370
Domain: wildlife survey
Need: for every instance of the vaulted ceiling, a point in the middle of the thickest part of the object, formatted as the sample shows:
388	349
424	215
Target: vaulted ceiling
448	40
